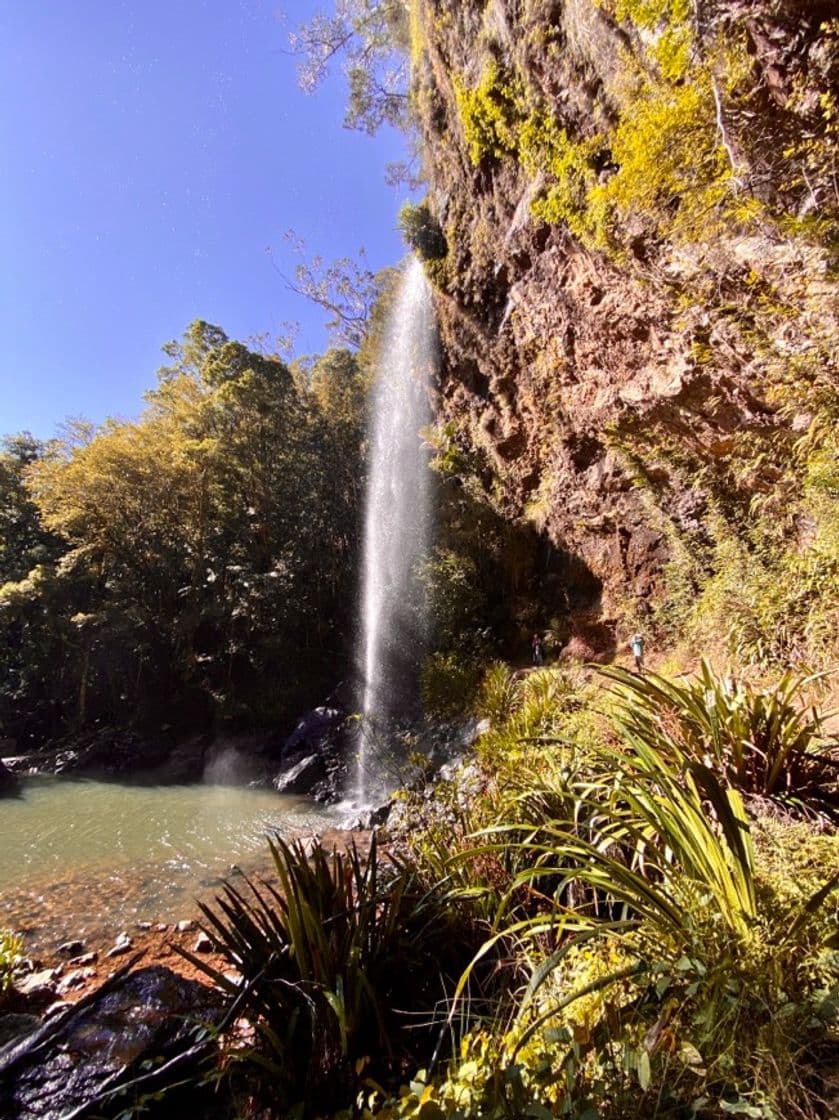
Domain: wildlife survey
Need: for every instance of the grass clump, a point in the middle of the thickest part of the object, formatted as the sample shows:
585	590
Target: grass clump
331	958
760	741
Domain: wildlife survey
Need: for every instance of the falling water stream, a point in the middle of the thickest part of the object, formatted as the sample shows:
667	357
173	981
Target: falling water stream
397	524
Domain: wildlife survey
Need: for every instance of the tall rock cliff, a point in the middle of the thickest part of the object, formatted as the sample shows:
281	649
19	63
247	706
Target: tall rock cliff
631	227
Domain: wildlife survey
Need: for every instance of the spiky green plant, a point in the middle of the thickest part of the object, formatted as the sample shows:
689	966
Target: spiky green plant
497	695
761	741
330	955
704	960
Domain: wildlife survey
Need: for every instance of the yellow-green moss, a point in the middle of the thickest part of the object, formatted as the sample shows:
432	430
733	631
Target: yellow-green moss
669	21
417	32
671	169
651	14
491	113
571	164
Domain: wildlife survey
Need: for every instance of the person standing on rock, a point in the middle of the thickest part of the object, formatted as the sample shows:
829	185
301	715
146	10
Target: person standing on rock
538	650
636	644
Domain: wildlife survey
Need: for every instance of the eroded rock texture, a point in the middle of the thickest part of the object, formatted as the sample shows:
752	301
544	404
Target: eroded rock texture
636	324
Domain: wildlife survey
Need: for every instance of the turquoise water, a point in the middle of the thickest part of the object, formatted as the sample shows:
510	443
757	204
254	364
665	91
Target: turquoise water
90	859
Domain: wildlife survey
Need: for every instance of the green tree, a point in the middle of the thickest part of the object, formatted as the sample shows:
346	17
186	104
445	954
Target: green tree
211	544
372	37
24	543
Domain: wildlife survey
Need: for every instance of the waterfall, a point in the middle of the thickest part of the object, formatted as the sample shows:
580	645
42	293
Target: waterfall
397	525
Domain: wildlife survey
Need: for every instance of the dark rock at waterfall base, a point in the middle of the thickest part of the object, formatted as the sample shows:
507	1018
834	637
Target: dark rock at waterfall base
313	732
166	760
372	818
302	776
318	757
8	781
314	758
331	789
321	776
381	815
223	757
125	1031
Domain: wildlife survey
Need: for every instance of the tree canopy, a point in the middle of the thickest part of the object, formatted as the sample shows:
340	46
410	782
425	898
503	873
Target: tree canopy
200	559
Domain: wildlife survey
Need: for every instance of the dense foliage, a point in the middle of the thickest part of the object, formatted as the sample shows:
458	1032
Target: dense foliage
764	741
196	564
651	944
332	960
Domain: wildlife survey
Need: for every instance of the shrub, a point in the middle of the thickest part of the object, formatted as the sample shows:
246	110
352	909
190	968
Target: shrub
682	967
498	694
546	710
422	231
11	953
457	602
760	741
448	682
572	165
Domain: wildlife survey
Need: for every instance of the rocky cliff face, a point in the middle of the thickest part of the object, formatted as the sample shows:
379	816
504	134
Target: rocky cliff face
636	286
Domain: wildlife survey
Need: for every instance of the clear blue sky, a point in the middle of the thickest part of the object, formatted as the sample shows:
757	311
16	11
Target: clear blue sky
152	150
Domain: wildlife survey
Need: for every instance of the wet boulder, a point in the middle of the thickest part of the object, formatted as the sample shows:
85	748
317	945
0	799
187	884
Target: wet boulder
302	777
78	1060
314	757
313	731
375	817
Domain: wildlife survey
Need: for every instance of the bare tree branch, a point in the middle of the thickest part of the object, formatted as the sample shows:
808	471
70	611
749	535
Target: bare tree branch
346	288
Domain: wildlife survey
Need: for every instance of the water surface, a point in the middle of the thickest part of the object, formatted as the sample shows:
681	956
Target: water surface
81	858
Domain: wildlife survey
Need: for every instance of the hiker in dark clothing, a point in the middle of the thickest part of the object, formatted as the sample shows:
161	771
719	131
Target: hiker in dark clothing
538	650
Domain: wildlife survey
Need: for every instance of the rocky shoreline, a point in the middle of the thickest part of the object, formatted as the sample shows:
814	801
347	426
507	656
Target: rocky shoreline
259	758
136	990
105	982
